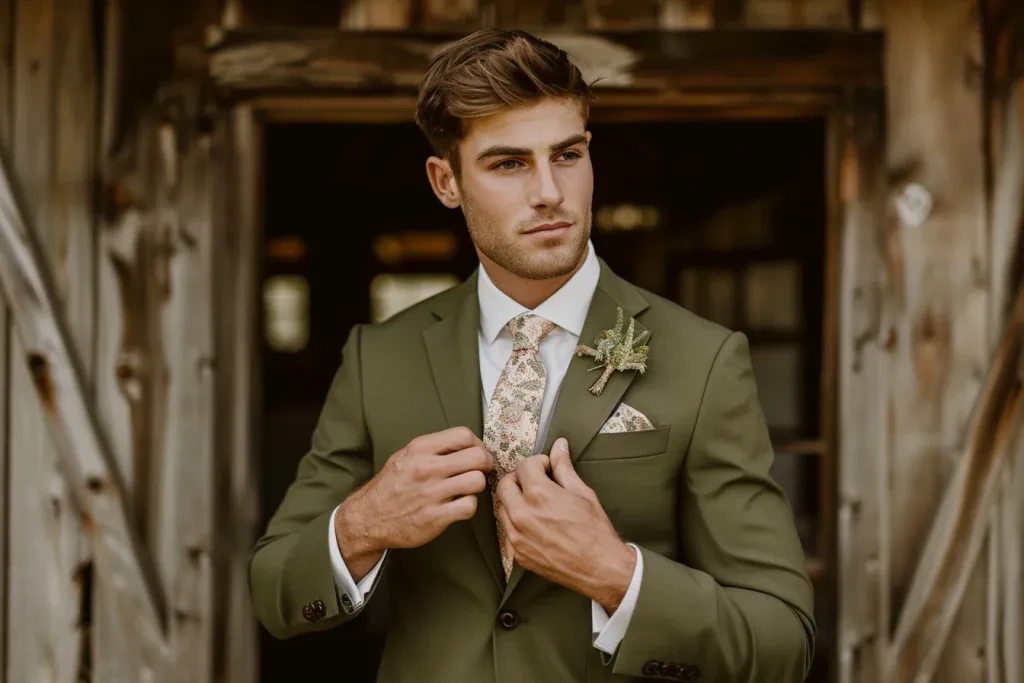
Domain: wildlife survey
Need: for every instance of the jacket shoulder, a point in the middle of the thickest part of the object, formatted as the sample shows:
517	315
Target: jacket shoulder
408	323
666	317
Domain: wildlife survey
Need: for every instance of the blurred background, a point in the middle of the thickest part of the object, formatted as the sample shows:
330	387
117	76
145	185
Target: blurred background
200	198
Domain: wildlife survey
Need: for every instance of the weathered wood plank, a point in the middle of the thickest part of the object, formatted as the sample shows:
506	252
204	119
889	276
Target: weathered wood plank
75	134
797	13
281	60
1011	512
238	508
183	521
958	534
936	297
90	469
1007	233
131	374
449	14
71	203
43	597
862	451
6	114
6	69
622	14
686	14
363	15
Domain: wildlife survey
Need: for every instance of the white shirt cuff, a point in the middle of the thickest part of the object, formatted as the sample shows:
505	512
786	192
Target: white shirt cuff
609	631
342	577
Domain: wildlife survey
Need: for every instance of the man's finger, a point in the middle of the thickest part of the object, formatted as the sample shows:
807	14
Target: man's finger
562	470
508	492
533	471
447	440
465	484
466	460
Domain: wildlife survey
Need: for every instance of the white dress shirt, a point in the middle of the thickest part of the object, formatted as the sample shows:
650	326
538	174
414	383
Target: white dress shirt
567	308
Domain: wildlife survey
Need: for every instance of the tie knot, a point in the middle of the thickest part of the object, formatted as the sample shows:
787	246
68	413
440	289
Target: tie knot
528	330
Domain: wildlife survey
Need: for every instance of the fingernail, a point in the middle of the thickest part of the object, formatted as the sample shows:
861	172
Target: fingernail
562	444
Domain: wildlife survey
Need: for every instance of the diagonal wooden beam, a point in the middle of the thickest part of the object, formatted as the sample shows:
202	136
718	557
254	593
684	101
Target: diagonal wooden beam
957	535
122	563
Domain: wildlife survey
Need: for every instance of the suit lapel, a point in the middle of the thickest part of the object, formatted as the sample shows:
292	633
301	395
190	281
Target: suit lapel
578	414
454	356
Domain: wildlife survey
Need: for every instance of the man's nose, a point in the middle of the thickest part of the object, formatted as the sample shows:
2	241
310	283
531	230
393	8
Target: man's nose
545	190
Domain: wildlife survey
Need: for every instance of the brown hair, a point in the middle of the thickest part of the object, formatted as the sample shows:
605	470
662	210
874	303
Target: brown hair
485	72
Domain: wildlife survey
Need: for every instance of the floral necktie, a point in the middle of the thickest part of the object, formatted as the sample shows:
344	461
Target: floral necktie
513	413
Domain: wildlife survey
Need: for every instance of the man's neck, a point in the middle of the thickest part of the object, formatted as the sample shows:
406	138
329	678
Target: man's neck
524	291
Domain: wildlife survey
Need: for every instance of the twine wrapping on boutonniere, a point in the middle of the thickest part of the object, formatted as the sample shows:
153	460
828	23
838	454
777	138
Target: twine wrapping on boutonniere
616	350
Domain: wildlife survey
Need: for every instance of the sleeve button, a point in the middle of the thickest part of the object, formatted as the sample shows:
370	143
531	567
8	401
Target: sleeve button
652	668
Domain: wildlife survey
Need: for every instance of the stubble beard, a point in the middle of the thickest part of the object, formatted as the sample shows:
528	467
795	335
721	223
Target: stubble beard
503	250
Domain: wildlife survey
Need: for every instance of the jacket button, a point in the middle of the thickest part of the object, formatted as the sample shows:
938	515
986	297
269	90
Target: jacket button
307	612
670	670
346	602
508	619
689	673
319	609
652	668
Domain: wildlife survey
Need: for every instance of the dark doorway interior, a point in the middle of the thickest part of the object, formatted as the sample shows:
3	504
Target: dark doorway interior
727	218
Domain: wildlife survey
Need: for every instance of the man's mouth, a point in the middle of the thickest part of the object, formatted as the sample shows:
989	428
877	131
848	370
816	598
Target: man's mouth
547	227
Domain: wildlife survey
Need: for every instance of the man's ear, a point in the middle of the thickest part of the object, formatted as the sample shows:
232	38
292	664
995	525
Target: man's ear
442	181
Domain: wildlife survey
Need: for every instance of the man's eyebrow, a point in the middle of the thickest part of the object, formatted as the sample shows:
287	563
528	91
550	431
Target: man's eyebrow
502	151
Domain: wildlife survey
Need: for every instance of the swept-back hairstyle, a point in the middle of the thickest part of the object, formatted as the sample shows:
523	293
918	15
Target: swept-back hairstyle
485	72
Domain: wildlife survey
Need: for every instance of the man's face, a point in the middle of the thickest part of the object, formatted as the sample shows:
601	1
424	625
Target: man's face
526	188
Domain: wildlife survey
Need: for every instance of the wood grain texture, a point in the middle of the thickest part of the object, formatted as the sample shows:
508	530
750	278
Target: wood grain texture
280	61
936	298
238	399
183	529
6	114
957	537
87	466
43	597
862	507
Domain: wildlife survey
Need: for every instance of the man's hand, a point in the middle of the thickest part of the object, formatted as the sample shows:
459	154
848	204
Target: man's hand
559	530
424	487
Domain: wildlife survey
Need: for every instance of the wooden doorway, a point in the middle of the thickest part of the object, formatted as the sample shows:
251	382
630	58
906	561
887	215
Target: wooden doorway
728	210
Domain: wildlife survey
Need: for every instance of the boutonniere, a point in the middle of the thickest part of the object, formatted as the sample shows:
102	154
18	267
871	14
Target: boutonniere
616	350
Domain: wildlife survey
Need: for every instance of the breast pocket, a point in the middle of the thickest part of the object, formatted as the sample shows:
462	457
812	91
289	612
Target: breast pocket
635	478
627	445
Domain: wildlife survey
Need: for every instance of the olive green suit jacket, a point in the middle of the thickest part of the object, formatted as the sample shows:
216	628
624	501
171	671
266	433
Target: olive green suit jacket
724	593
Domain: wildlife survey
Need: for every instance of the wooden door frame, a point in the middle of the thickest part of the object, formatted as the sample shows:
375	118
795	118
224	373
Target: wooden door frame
803	89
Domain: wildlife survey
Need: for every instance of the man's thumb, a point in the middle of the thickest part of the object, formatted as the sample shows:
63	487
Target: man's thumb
561	466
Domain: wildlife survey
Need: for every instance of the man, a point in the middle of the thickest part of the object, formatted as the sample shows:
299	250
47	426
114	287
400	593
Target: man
539	521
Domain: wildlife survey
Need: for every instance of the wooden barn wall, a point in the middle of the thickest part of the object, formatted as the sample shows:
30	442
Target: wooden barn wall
117	170
49	85
140	188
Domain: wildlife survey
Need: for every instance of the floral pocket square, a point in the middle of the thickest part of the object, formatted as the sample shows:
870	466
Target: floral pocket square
626	419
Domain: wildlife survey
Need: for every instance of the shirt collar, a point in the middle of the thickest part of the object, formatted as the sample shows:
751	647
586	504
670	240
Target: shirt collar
566	308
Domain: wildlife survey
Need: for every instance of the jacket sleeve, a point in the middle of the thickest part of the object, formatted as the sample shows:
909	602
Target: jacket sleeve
291	578
739	605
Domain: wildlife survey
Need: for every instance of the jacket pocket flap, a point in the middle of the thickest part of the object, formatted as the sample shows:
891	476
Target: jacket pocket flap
625	445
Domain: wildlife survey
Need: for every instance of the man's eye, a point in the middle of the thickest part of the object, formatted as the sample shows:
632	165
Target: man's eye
508	165
571	155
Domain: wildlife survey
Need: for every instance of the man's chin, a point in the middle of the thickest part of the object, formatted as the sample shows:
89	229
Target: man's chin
552	261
